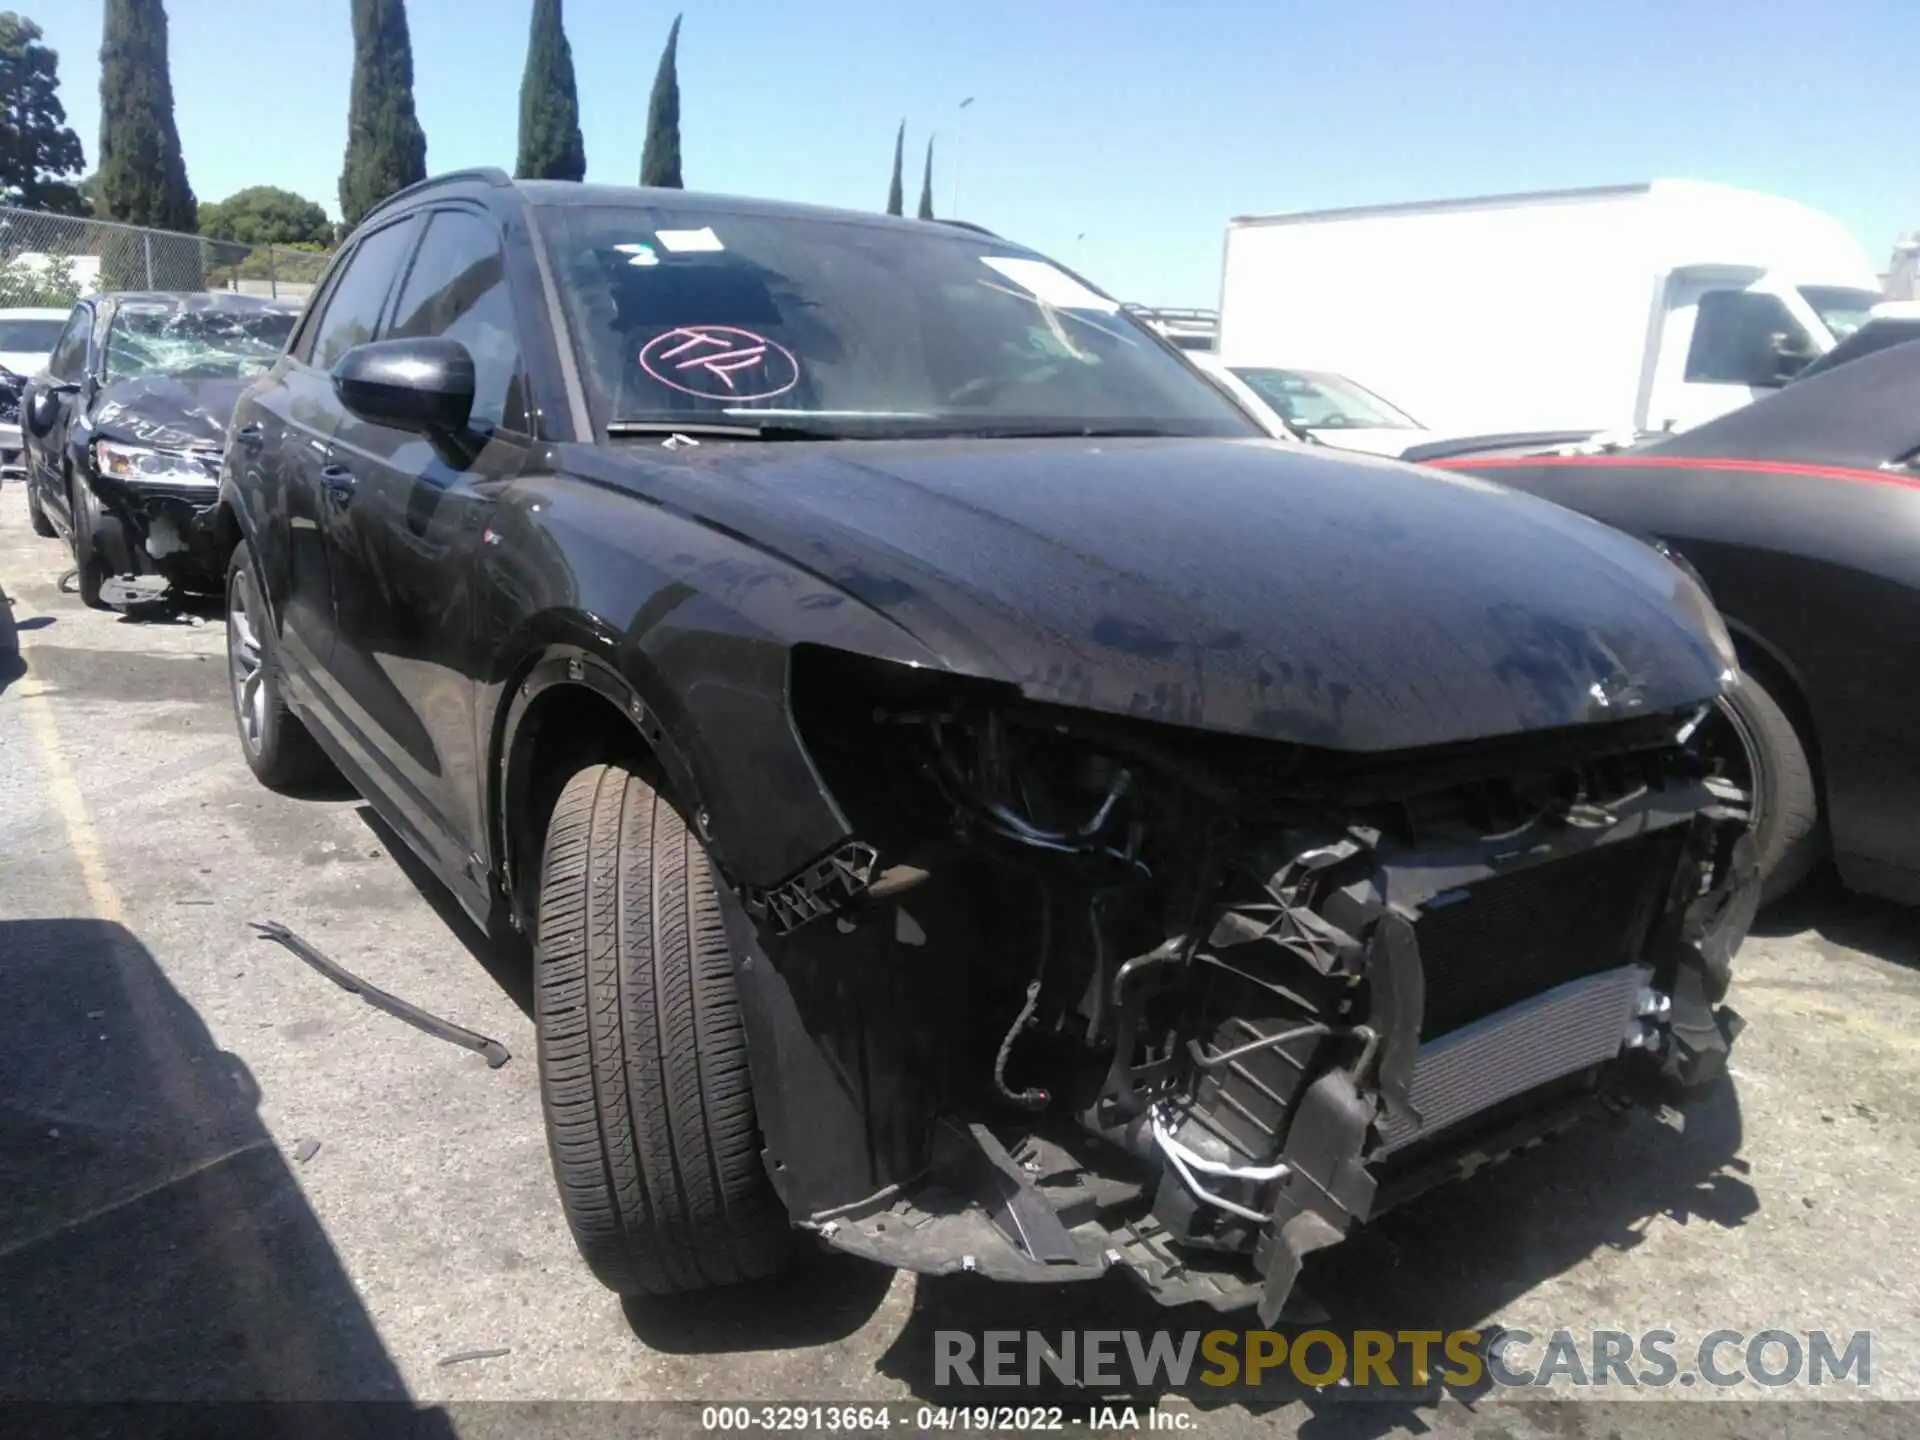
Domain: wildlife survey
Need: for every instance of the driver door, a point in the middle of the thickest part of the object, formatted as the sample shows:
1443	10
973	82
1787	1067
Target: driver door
64	385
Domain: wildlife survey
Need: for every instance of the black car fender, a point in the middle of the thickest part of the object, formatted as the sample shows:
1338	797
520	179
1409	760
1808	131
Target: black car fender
578	665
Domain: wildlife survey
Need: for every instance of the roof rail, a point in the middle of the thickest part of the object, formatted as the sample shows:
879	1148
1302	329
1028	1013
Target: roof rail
968	225
487	174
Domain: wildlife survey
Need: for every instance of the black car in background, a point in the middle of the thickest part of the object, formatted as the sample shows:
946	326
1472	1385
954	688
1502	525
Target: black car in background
974	797
123	431
1801	513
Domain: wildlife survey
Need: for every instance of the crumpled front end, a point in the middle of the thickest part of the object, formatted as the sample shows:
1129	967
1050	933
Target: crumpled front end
156	532
1083	994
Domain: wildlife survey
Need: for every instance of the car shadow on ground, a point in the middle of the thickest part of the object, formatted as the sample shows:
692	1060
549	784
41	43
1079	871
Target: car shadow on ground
13	664
1447	1262
154	1243
1837	917
822	1297
508	958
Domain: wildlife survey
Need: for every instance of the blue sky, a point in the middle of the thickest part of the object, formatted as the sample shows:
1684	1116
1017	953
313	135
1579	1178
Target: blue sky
1117	135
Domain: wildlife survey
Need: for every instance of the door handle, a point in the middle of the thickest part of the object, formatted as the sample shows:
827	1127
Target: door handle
339	483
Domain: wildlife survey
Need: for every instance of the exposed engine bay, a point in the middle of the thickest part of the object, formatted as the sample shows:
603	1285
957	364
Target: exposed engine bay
1085	992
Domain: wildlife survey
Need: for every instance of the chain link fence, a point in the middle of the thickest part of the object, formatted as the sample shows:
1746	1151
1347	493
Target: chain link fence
52	260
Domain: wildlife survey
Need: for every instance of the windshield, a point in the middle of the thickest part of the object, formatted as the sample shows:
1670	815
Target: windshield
831	326
1841	309
194	344
30	337
1319	400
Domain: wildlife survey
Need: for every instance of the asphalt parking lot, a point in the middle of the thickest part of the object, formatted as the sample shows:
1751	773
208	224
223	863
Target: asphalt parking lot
230	1179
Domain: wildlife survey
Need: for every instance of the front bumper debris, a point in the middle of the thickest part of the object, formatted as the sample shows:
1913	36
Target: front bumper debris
1507	991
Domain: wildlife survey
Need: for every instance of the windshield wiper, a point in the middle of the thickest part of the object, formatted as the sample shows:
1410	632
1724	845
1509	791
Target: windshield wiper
721	430
1073	432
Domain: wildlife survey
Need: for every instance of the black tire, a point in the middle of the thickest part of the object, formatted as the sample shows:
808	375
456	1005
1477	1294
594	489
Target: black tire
36	517
277	747
643	1057
89	564
1787	834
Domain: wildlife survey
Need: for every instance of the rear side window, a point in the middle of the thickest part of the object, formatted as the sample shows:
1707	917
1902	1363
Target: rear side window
30	337
1733	338
69	358
352	310
457	289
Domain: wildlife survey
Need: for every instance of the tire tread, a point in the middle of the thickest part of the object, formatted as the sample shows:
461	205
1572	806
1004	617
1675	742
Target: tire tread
643	1060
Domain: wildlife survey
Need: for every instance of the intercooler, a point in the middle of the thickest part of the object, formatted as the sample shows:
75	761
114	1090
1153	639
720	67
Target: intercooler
1510	937
1530	976
1572	1026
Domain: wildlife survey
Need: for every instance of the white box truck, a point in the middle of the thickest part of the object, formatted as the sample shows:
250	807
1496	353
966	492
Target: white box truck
1627	307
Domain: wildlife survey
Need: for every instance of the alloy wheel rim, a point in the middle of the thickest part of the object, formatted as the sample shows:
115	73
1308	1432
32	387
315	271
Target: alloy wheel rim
245	663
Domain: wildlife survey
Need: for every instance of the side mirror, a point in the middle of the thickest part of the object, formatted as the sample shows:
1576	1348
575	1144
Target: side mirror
1789	354
423	385
43	405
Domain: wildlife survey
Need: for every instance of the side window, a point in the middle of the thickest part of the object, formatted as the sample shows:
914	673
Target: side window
69	358
458	289
309	326
353	309
1733	338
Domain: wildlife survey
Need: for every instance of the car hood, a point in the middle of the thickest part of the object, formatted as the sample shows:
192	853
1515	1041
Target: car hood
170	413
1253	587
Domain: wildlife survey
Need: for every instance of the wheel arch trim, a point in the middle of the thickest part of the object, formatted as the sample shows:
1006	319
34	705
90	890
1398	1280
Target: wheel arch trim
577	664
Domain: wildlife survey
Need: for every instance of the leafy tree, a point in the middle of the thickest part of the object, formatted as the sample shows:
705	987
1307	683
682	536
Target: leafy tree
896	196
926	184
551	146
266	215
89	189
660	159
37	146
142	179
49	280
386	148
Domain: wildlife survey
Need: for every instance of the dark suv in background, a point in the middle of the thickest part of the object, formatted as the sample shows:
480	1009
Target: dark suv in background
974	797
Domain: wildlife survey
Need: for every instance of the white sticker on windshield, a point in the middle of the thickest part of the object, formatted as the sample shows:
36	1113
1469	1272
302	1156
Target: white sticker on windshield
686	242
1049	283
638	254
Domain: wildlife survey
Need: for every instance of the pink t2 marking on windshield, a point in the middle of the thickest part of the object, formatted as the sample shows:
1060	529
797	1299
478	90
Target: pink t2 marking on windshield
720	362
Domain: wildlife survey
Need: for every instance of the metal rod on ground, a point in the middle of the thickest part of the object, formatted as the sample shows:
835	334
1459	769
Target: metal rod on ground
496	1054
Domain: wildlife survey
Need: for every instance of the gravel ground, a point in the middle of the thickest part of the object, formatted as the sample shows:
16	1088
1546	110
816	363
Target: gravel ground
226	1178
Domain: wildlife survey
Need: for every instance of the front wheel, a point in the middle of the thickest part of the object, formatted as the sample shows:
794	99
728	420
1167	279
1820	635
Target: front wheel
1759	747
86	528
643	1056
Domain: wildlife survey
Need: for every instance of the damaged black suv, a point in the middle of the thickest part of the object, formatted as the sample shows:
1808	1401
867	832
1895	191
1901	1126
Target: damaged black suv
973	797
123	431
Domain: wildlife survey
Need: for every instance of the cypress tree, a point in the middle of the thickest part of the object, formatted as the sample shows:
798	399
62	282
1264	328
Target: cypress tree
142	178
926	184
551	147
660	159
386	148
896	196
40	155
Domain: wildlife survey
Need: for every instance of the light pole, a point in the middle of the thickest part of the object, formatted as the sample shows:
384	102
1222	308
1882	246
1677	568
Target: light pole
953	208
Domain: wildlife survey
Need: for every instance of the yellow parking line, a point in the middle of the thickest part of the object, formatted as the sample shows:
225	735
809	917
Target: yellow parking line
83	842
